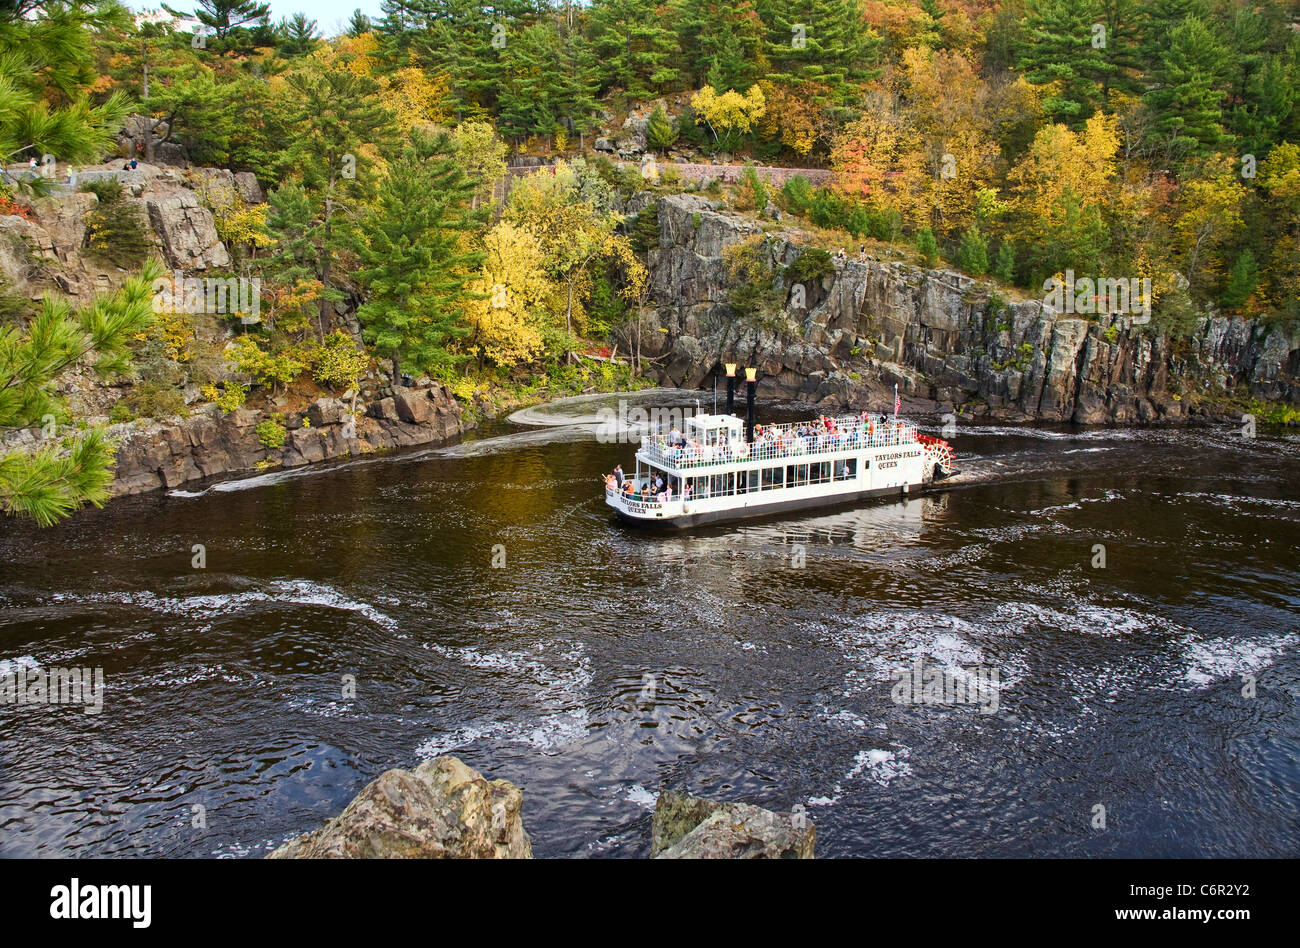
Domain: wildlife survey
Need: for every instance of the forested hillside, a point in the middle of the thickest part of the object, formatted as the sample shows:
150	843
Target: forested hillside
1011	141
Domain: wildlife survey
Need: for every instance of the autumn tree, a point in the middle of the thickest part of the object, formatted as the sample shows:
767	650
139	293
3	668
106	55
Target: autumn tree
576	231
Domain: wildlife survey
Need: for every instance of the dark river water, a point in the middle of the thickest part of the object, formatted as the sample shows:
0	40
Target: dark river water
770	649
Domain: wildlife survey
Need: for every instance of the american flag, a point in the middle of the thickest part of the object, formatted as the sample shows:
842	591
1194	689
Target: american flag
897	403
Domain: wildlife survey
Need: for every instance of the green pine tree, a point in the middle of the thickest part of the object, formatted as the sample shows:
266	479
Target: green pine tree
927	246
819	44
334	114
635	45
660	131
1004	263
414	261
64	473
1242	281
973	252
1056	48
1187	93
720	43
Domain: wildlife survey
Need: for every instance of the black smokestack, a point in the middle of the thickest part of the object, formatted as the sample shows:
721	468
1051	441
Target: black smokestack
750	386
731	388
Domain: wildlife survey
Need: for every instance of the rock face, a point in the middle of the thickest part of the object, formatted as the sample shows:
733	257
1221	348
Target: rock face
687	827
166	454
441	810
940	335
187	231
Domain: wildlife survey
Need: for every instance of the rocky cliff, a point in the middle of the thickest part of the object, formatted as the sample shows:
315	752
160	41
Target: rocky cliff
945	338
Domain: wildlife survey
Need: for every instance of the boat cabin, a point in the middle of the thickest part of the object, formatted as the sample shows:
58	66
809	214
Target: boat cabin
714	430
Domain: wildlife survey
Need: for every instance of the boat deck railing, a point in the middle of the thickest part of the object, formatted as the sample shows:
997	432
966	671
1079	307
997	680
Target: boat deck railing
779	442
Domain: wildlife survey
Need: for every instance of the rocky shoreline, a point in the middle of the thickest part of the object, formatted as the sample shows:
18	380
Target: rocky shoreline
166	454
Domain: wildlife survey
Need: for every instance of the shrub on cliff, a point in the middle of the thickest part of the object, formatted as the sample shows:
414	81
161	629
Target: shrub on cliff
813	264
338	361
271	434
927	246
64	472
973	253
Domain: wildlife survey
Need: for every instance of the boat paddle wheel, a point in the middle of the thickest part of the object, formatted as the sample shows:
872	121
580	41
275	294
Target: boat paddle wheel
938	457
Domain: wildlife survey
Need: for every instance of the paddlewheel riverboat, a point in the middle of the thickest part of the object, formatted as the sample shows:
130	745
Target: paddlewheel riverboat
720	468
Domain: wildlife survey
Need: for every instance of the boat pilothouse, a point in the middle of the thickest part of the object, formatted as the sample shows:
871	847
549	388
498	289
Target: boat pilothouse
719	469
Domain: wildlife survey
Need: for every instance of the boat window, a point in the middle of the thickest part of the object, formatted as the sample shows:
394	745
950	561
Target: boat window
820	472
773	477
846	470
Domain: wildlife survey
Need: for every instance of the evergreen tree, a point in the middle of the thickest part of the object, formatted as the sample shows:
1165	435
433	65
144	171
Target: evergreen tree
721	43
223	16
65	473
1186	94
297	35
927	246
660	131
335	113
634	43
414	261
1056	48
973	252
1004	263
1242	281
820	47
359	24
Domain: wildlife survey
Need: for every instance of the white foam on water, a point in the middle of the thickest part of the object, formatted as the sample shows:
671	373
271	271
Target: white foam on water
1210	660
1083	618
296	592
559	691
642	797
882	766
883	644
1241	503
10	666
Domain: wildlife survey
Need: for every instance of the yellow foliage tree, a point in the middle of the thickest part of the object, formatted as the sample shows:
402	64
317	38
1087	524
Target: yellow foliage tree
730	111
514	295
417	98
1058	163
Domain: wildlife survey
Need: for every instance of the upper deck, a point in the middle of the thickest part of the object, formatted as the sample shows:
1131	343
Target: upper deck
713	440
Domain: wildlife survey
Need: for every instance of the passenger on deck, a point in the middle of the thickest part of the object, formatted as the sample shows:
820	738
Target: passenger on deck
618	475
610	482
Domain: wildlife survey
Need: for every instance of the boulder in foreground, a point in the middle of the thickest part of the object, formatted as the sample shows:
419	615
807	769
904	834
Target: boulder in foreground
687	827
441	810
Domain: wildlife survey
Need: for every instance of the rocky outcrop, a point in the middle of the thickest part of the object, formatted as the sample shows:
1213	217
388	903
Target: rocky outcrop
687	827
208	443
441	810
186	231
943	337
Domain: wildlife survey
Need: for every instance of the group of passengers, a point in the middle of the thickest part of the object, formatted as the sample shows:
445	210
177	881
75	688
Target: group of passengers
654	488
